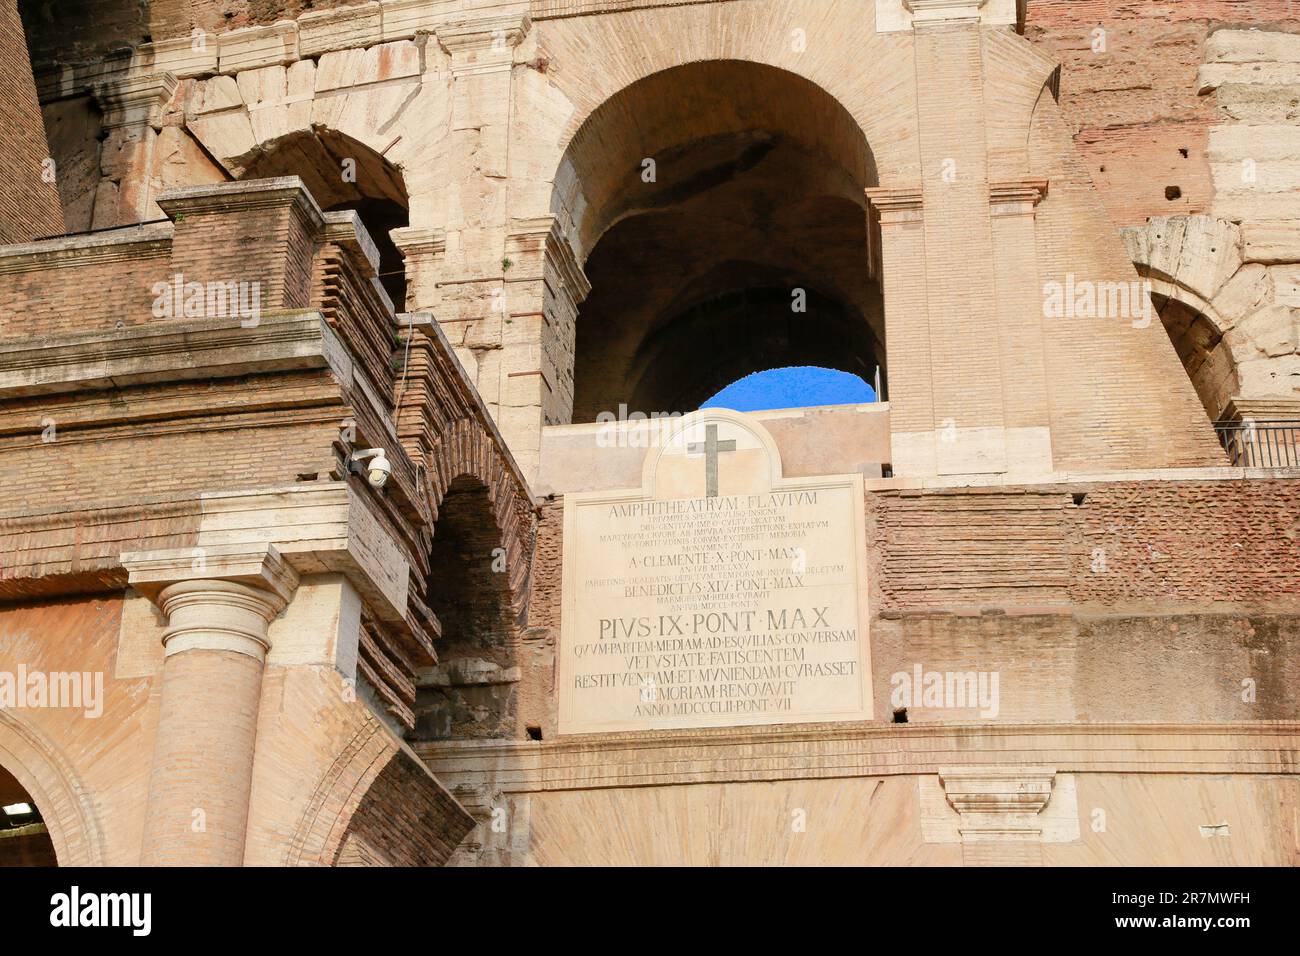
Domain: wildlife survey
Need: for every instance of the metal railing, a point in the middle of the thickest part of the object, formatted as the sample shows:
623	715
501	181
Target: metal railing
1256	444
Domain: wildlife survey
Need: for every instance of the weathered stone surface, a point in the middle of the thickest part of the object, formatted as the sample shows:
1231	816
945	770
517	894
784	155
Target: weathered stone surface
1037	552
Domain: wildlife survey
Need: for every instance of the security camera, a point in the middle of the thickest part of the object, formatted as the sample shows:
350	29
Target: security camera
377	469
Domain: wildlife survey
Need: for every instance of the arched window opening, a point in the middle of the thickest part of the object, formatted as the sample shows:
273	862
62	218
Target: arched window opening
343	174
473	690
24	838
719	211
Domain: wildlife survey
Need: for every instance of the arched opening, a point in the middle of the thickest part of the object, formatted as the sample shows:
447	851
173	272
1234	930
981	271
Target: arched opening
1203	351
343	174
718	209
793	387
473	691
24	838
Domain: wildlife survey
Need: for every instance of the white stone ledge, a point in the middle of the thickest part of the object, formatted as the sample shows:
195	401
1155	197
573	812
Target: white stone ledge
731	754
1011	480
893	16
131	242
170	351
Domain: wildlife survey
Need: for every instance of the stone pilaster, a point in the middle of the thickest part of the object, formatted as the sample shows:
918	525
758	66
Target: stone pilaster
1020	325
543	288
133	108
218	604
967	376
900	215
475	301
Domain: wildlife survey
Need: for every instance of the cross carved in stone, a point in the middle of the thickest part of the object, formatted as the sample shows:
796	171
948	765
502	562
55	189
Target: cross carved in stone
710	448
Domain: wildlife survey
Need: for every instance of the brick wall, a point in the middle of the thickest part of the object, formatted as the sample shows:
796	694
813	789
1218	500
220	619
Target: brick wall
29	206
1133	107
1183	543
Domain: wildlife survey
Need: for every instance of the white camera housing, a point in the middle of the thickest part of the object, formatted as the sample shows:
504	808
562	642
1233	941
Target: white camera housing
377	469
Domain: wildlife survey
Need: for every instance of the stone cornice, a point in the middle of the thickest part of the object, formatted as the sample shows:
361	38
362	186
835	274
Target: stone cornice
929	11
131	243
862	750
894	204
1017	197
255	564
344	228
170	351
543	234
135	100
484	33
250	194
897	15
415	240
999	790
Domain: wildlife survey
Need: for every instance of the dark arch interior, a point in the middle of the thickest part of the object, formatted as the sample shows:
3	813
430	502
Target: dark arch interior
473	690
747	249
1203	352
24	839
372	186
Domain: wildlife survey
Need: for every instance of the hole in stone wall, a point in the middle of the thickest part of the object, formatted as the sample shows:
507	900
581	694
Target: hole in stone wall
900	716
1079	500
1173	192
534	733
1183	152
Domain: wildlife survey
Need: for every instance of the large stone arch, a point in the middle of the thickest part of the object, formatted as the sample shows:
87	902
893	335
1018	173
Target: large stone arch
719	211
833	45
342	174
60	796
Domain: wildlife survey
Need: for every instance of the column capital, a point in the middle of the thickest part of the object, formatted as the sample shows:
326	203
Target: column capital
927	11
218	598
998	803
417	240
483	45
1018	197
897	15
895	205
136	100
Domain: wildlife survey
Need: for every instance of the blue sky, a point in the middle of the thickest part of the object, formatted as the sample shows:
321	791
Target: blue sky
797	387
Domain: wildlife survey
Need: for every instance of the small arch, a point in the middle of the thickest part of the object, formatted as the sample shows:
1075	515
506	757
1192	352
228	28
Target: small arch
24	837
1196	332
343	174
45	774
473	690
